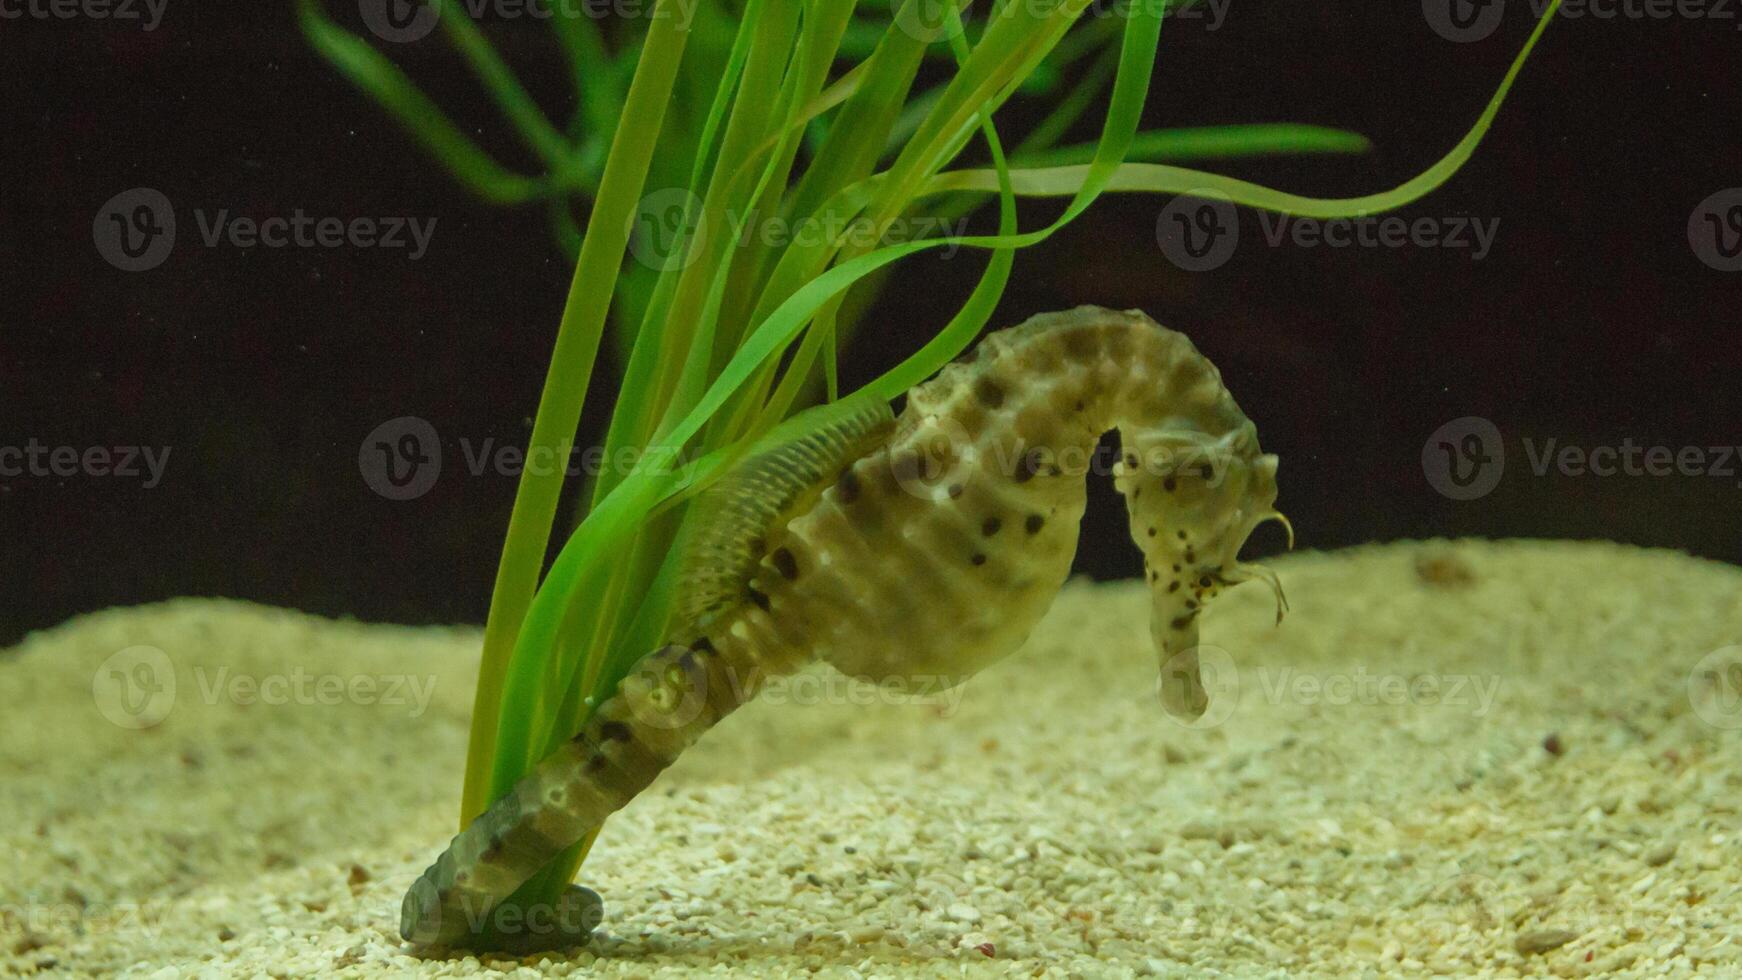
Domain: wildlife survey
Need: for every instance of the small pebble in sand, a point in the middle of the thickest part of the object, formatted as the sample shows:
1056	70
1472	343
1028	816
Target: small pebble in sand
1543	940
1660	855
1444	570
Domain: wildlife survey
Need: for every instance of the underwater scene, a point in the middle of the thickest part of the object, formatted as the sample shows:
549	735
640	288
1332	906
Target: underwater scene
1034	488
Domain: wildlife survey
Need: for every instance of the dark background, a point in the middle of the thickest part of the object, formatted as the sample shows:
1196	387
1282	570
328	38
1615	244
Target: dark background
1590	322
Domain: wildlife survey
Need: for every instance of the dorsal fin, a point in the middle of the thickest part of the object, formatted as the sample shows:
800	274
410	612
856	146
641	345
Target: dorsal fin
727	526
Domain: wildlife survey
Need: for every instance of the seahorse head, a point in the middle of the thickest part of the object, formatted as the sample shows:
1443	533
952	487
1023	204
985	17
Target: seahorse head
1193	500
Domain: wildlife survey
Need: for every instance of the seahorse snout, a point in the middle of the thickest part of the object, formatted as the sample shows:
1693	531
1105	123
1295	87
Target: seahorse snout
1191	514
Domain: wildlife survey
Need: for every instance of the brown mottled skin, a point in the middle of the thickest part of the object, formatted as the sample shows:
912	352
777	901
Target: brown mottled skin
929	557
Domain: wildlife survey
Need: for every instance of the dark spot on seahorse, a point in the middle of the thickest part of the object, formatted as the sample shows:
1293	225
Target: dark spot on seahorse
905	466
991	526
498	843
1080	343
1152	532
686	661
1174	587
596	763
785	562
955	490
759	597
1118	344
1169	484
1152	575
1182	622
1027	466
614	731
1182	535
990	393
847	487
1131	460
978	558
1079	404
1206	471
704	645
1034	523
1205	581
1176	566
1191	603
1191	557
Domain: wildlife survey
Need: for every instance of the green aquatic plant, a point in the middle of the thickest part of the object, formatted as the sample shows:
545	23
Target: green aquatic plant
687	141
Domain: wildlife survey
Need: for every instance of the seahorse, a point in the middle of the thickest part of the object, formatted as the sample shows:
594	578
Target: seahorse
921	547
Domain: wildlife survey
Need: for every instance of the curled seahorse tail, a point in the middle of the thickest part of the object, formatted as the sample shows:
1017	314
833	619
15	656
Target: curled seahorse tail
670	698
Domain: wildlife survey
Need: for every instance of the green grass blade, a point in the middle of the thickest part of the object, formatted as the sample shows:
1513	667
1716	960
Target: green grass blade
1162	179
559	408
1213	142
372	72
528	120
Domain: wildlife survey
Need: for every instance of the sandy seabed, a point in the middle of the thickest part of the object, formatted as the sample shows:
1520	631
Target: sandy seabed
1467	758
